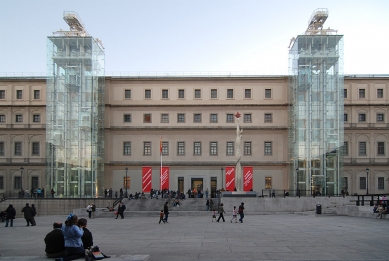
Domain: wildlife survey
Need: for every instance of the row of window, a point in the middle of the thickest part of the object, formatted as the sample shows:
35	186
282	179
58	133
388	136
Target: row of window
380	185
17	182
198	94
35	148
197	117
362	117
362	149
362	93
19	94
197	148
19	118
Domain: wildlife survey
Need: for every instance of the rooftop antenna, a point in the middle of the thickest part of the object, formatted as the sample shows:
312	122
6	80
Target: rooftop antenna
315	24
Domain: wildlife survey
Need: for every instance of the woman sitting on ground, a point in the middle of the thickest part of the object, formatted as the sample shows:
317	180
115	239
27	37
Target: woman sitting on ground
73	243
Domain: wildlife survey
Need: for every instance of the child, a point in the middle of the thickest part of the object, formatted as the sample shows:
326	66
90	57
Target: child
213	214
161	217
234	215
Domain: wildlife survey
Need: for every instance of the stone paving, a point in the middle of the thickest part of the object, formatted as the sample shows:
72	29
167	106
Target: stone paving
261	237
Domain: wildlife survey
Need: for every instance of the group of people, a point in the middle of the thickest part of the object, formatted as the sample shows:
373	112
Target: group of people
10	213
381	208
69	241
91	209
235	213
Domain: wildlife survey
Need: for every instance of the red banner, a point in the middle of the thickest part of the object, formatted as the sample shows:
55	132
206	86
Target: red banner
146	179
230	178
247	178
165	173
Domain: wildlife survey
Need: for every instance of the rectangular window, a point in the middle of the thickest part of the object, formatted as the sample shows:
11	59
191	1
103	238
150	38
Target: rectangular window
18	148
268	181
247	93
381	183
2	94
1	182
19	94
19	118
36	118
127	117
1	148
268	148
381	148
197	117
362	149
181	148
197	94
362	182
126	182
247	148
345	148
181	94
197	148
146	148
213	117
165	148
267	93
17	182
180	118
147	118
380	117
2	118
127	94
361	93
230	93
362	117
213	93
247	117
380	93
164	118
213	148
345	117
35	148
230	117
127	148
37	94
345	93
268	117
230	148
165	94
147	94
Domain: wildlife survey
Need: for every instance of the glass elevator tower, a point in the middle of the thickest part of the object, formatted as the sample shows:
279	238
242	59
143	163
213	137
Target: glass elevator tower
316	110
75	112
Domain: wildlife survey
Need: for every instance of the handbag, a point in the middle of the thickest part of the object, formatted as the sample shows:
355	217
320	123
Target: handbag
97	255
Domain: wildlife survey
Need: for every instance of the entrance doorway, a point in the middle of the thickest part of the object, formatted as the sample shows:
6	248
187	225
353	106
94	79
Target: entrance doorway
213	187
197	183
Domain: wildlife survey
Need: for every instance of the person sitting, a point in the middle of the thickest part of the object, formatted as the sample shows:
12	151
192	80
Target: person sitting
87	238
55	242
382	210
73	243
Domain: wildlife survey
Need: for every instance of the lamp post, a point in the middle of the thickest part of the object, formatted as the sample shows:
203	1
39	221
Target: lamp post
21	181
222	175
367	181
297	177
126	181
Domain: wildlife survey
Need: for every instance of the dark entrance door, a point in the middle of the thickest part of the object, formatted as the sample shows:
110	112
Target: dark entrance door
197	183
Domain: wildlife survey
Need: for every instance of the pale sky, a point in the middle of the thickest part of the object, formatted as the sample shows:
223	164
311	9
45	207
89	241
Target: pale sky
190	36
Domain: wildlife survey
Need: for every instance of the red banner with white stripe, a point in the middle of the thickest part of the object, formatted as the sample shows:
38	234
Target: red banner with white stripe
146	179
247	178
165	173
230	178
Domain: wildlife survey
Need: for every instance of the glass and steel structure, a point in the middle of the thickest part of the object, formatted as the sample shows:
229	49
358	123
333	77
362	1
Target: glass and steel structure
75	116
316	114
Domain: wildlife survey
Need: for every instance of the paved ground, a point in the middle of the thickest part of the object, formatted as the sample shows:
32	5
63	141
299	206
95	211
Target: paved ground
260	237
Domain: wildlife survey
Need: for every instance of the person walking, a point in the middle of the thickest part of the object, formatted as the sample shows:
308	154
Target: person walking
27	210
121	209
10	215
234	215
33	215
221	213
166	211
161	217
241	214
52	192
213	214
73	243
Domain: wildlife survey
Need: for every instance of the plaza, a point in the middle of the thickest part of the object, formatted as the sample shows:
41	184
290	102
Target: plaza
293	236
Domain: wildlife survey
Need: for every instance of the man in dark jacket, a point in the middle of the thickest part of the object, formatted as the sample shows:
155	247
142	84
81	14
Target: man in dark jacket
28	214
166	211
241	208
10	215
55	243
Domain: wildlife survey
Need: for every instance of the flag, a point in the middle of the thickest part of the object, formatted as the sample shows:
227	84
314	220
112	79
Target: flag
160	146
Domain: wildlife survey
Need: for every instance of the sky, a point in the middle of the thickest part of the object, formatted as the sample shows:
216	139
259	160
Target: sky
149	37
